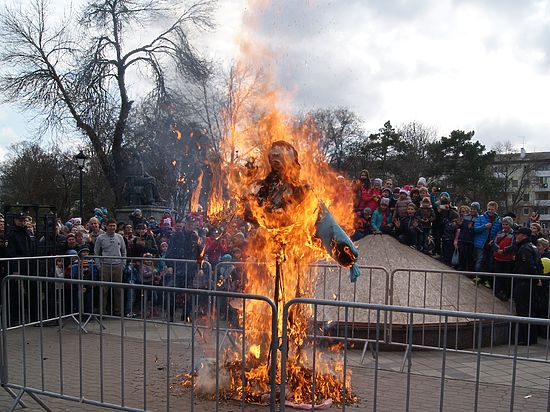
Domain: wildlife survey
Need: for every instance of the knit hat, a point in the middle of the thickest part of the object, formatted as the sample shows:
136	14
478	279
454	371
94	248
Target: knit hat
377	182
476	206
384	201
386	189
226	258
445	194
367	211
507	221
421	182
71	252
84	248
403	191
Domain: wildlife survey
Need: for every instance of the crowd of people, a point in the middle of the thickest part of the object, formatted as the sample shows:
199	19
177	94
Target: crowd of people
140	250
464	236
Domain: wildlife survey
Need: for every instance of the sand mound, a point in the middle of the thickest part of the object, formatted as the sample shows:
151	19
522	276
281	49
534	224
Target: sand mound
410	285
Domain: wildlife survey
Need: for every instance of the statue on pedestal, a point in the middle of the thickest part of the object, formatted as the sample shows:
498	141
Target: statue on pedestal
140	188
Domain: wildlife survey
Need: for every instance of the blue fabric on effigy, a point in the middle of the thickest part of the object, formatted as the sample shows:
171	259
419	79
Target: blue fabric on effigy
336	242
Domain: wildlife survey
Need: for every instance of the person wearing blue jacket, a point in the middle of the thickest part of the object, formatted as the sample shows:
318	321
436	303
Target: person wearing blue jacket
381	221
486	228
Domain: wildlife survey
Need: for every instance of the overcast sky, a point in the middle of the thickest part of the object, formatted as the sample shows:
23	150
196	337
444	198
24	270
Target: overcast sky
481	65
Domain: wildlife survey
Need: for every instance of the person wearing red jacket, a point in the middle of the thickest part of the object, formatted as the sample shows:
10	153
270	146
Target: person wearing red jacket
503	255
373	195
167	222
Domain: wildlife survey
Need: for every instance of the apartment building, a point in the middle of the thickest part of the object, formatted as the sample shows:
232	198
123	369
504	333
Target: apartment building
526	184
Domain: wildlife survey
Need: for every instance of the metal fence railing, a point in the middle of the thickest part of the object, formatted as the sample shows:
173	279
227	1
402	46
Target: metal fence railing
114	366
454	290
62	336
412	391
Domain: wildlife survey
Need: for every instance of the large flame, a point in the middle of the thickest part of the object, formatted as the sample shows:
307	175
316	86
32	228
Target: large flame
283	243
281	248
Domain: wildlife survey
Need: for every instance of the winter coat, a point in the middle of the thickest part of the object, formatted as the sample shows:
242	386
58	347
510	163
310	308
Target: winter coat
377	217
505	241
19	244
481	234
372	199
467	230
527	260
425	216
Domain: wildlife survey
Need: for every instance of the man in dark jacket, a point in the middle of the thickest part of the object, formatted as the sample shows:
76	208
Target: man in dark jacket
527	262
19	244
184	244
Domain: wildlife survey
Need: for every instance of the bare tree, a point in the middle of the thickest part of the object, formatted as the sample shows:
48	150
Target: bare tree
515	173
77	73
416	138
223	102
338	128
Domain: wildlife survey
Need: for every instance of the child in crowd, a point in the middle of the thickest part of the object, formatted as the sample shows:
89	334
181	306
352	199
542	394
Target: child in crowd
393	199
449	226
167	222
362	224
381	221
148	275
536	233
373	195
361	197
401	204
464	239
415	197
407	227
425	216
90	271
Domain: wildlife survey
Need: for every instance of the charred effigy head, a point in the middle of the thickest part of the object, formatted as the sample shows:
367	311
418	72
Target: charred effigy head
283	159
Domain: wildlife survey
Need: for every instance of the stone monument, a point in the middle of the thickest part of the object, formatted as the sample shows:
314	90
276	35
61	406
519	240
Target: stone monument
140	191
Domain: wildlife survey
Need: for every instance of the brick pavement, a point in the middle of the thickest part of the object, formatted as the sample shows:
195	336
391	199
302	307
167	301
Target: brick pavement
495	391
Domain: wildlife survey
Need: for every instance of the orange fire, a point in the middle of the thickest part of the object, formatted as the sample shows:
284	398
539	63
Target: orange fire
195	195
282	246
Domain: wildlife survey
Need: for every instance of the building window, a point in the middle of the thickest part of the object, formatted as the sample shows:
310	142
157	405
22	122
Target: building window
514	183
526	197
525	210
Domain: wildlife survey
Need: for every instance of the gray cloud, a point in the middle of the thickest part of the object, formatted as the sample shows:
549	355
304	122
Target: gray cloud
349	53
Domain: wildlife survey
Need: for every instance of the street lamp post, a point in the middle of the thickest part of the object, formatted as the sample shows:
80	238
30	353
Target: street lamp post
81	161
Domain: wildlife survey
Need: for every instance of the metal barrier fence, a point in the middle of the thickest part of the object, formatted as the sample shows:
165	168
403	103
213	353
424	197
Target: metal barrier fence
82	300
55	299
112	368
454	290
329	282
386	392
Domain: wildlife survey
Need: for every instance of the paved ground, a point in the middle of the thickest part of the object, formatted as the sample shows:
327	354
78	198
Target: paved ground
128	365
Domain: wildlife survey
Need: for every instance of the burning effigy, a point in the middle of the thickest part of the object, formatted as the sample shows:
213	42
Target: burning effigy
281	184
272	174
